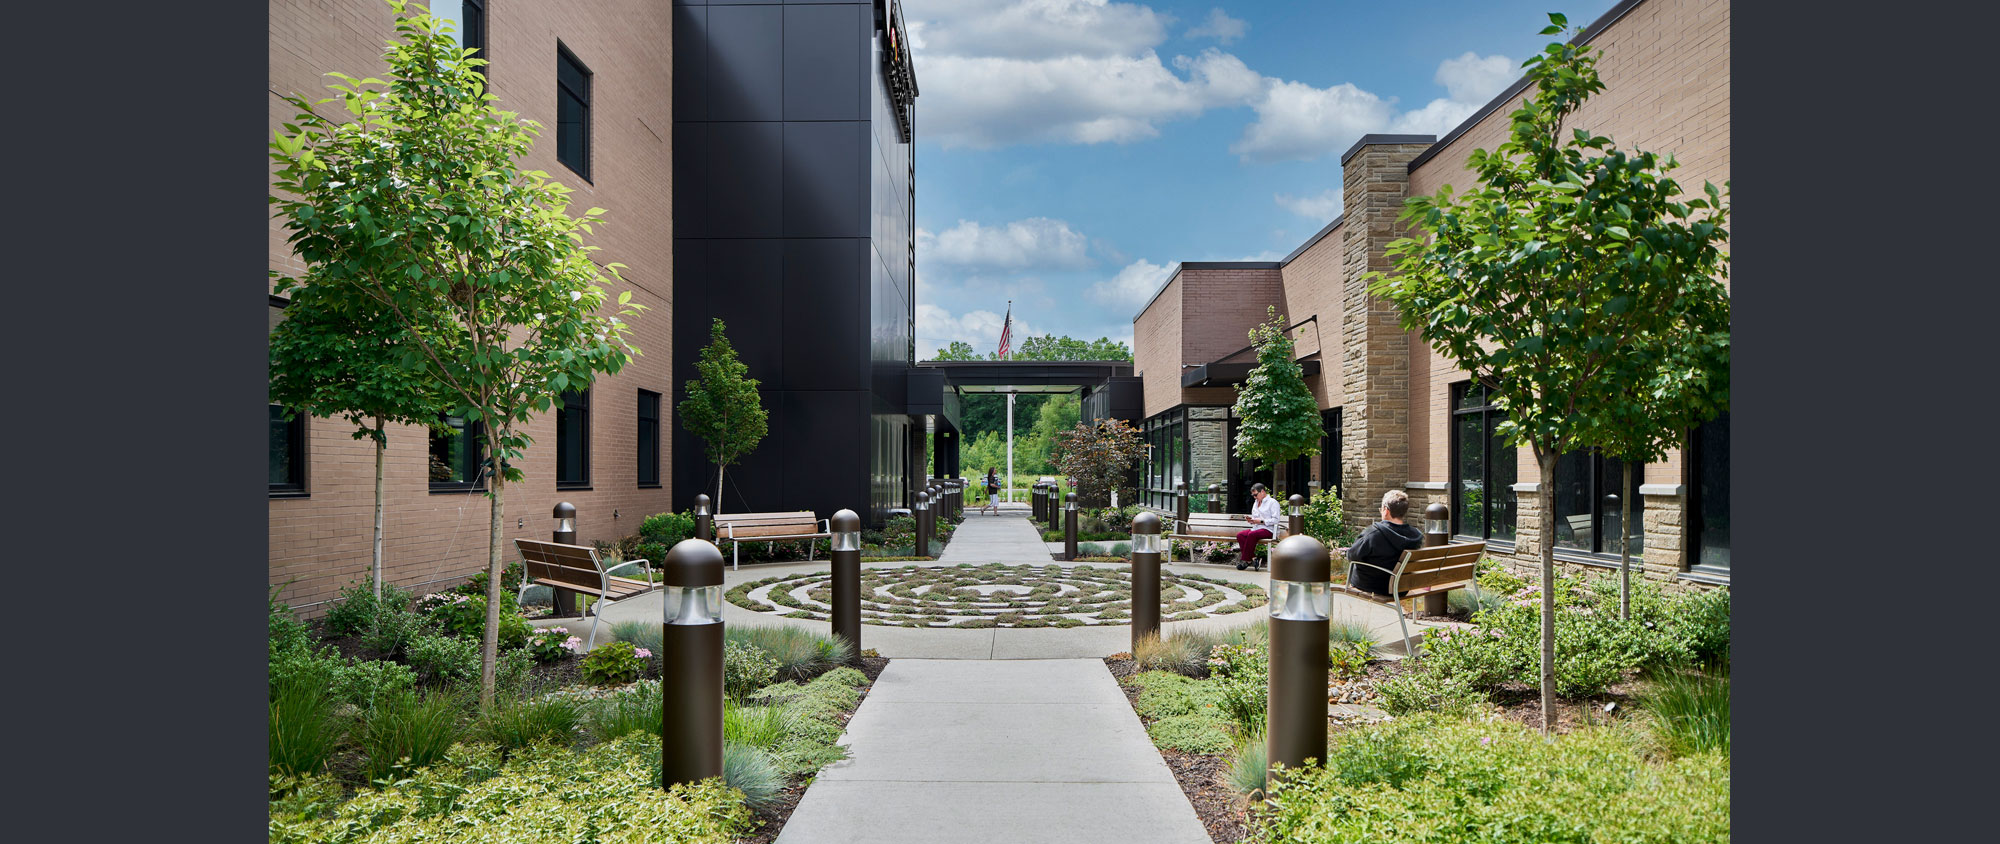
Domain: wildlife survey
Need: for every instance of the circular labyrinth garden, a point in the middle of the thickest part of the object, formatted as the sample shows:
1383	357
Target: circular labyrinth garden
997	595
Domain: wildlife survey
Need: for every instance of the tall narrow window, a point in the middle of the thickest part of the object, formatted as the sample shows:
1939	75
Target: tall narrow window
1329	451
1482	466
573	441
468	24
572	112
1709	465
288	436
457	460
1588	503
649	439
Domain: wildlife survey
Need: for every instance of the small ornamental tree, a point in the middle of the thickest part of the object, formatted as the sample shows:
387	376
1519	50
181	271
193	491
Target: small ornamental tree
415	200
722	406
1098	457
337	354
1280	417
1551	279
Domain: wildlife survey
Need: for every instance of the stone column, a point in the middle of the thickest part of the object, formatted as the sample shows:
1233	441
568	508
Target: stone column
1665	522
1374	349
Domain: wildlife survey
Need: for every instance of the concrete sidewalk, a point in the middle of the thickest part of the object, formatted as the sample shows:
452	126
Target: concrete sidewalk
1006	538
1001	752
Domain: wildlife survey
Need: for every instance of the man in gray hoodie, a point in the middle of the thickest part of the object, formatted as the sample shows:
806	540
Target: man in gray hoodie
1382	544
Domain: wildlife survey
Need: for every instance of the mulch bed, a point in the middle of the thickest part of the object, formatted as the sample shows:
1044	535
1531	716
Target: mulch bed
771	821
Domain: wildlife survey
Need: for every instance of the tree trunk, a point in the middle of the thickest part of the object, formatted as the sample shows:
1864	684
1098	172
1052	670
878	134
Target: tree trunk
489	646
381	445
1545	492
717	509
1625	546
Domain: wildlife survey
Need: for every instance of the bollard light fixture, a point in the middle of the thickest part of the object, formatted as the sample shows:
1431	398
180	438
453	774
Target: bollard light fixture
1069	501
1437	520
1146	534
1298	504
846	531
701	505
691	663
1301	580
1295	712
565	516
1145	577
691	580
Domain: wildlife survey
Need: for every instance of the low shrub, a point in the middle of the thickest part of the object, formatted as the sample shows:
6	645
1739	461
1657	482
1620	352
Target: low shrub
1165	695
287	631
753	772
407	731
608	793
514	724
393	629
464	616
613	663
510	582
1325	522
1700	622
1250	766
1437	780
548	644
633	710
641	634
1425	690
1348	659
1181	654
305	727
445	660
814	711
356	607
1686	712
1243	676
1192	734
800	654
665	529
1498	578
756	726
745	669
349	681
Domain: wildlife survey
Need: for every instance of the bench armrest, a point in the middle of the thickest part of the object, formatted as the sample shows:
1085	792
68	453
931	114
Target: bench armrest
613	569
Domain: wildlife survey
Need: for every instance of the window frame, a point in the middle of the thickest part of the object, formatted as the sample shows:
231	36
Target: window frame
1461	394
1600	552
1692	459
476	432
469	37
1329	453
574	403
581	166
296	432
645	428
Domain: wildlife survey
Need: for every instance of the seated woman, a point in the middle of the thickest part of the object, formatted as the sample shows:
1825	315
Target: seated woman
1264	520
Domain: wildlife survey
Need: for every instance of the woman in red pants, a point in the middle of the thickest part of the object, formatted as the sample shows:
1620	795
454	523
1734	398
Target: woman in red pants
1263	521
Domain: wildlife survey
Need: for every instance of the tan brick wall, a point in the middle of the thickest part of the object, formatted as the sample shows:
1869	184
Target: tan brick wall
1313	285
320	543
1156	348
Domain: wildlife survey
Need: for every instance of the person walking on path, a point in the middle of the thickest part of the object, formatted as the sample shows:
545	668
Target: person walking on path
1264	521
992	491
1382	544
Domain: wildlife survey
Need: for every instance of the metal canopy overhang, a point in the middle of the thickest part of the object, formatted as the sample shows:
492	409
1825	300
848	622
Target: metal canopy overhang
1231	374
1025	376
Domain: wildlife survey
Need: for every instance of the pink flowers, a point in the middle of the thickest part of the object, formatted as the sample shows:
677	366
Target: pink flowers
572	643
642	653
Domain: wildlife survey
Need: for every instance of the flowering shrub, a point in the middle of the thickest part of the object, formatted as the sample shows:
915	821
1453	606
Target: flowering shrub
464	616
745	669
1348	659
614	662
549	644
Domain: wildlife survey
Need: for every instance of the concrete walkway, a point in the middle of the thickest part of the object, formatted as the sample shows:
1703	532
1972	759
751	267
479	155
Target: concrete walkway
1006	538
1001	752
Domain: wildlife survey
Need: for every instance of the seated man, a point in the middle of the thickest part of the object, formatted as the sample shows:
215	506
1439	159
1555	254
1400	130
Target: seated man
1264	525
1382	544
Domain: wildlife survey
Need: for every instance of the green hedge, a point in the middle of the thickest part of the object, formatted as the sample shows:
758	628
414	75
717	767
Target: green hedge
1435	780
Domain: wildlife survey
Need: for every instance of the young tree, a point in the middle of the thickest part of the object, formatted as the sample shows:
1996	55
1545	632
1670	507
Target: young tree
1544	279
416	200
337	354
1097	457
1280	417
722	406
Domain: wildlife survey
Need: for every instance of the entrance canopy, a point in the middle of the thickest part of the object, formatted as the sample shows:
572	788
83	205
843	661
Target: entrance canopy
1108	386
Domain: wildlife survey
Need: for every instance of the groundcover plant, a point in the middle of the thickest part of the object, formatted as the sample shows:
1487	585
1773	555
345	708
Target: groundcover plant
996	595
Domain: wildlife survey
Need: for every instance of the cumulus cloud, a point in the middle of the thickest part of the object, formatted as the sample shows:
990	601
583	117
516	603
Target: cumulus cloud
1035	242
984	101
1035	29
1474	79
1320	206
937	328
1133	285
1219	26
1299	121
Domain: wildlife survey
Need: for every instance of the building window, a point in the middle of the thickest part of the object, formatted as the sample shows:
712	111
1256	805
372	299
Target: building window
288	453
572	112
573	441
1588	503
649	439
468	23
1166	458
1708	463
457	460
1482	467
1329	451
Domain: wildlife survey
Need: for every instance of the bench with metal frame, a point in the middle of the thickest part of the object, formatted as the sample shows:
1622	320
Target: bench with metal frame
1220	527
769	527
577	568
1426	573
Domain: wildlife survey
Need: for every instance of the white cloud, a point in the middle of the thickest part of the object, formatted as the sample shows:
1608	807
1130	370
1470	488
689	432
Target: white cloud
984	101
1037	242
1321	206
1035	29
1133	285
1219	26
1474	79
937	328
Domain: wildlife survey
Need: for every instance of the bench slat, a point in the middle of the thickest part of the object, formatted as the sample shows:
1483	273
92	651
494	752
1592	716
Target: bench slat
1434	577
765	531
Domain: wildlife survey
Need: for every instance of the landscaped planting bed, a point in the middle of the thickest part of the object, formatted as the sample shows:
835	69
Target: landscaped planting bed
996	595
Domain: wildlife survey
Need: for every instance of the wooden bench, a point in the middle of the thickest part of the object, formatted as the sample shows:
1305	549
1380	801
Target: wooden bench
769	527
1219	527
1425	573
576	568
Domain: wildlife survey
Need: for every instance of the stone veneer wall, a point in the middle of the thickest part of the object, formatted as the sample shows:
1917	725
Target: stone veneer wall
1208	447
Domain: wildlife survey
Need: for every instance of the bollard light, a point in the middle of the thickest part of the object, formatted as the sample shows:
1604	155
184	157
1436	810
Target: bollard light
1214	494
1069	526
846	611
1297	524
691	655
1145	577
1295	725
1069	502
704	520
923	514
1437	525
565	517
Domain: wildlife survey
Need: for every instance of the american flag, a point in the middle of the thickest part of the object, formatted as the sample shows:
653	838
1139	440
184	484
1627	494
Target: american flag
1007	332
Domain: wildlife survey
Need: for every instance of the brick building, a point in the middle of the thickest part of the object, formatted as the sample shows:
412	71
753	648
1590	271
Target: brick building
1398	415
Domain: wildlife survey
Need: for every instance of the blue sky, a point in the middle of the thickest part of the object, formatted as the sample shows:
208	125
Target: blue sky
1070	152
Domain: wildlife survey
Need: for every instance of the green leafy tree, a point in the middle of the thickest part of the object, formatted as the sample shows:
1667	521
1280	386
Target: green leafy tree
722	406
415	199
337	354
1547	280
1098	457
1051	347
1280	417
958	350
